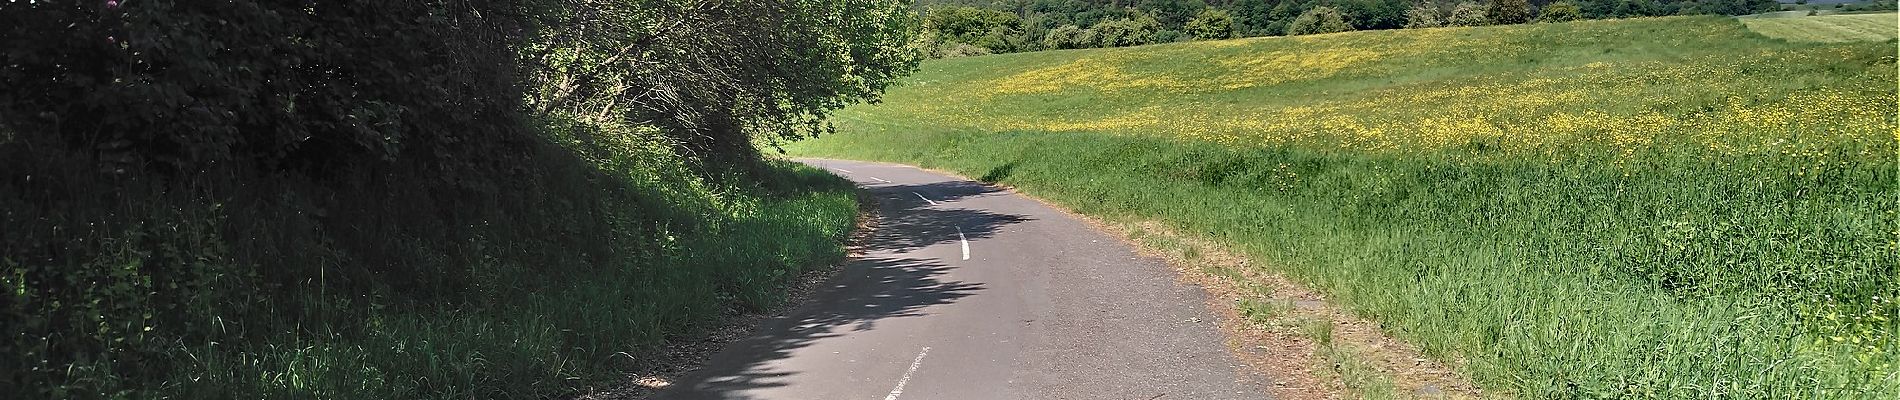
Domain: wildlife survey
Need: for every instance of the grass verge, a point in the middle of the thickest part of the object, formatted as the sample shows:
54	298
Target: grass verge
540	279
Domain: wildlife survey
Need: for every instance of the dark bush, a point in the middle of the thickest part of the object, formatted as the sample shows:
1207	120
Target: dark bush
1562	11
1318	20
1127	32
1505	12
1212	24
182	87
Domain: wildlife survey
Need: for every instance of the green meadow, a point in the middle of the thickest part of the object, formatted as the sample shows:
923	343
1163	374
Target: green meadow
1828	28
1663	207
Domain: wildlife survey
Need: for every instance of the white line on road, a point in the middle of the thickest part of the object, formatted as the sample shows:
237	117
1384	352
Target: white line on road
966	243
899	390
879	180
926	199
843	170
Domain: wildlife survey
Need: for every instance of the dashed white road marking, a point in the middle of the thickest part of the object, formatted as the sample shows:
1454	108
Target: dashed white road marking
966	243
843	170
926	199
899	390
879	180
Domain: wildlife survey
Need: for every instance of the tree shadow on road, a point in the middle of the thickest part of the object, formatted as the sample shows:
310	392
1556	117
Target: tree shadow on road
868	291
910	222
884	284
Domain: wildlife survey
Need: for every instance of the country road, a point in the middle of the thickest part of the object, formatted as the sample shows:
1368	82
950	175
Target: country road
969	291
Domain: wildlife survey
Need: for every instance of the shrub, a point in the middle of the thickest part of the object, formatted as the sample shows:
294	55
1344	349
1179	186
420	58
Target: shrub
1171	36
1372	14
1467	14
1504	12
1211	24
1069	37
1423	16
986	28
1562	11
1127	31
1318	20
175	87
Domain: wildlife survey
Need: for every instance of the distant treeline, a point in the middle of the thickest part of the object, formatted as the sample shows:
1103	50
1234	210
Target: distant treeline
973	27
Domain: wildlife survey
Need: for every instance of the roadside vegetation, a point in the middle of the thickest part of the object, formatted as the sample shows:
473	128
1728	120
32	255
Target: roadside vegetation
407	199
957	28
1646	208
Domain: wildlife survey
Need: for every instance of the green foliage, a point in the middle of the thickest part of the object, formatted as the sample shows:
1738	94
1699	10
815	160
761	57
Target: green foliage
979	27
1468	14
1372	14
1271	17
1069	37
1171	13
1423	16
1505	12
406	199
1212	24
703	74
1318	20
178	87
1134	31
1562	11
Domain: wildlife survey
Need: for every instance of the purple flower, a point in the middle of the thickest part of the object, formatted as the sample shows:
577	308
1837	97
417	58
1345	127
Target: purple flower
110	39
112	3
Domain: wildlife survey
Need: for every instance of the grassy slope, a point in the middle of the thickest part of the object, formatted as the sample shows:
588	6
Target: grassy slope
1672	207
653	251
1829	28
593	250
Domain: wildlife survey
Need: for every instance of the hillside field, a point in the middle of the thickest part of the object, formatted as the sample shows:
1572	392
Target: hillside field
1828	28
1661	207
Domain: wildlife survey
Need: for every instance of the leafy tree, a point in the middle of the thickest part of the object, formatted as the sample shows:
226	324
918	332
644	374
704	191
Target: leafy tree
1504	12
1212	24
1372	14
1467	14
1255	17
1423	16
1318	20
1172	13
1127	31
981	27
1069	37
1561	11
1635	8
1035	27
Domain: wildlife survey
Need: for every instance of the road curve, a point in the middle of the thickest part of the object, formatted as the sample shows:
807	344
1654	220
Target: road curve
968	291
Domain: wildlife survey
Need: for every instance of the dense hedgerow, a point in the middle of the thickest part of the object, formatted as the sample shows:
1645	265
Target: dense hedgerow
404	199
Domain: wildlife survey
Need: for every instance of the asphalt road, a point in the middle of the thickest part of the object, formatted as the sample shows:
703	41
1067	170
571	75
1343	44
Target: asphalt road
968	291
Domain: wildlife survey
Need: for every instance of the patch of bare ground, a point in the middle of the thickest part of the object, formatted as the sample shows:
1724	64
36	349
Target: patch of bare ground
685	353
1311	348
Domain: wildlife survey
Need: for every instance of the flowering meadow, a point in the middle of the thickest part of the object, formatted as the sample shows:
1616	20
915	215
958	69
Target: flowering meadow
1659	207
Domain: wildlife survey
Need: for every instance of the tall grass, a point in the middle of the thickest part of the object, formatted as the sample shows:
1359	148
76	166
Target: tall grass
529	283
1678	245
